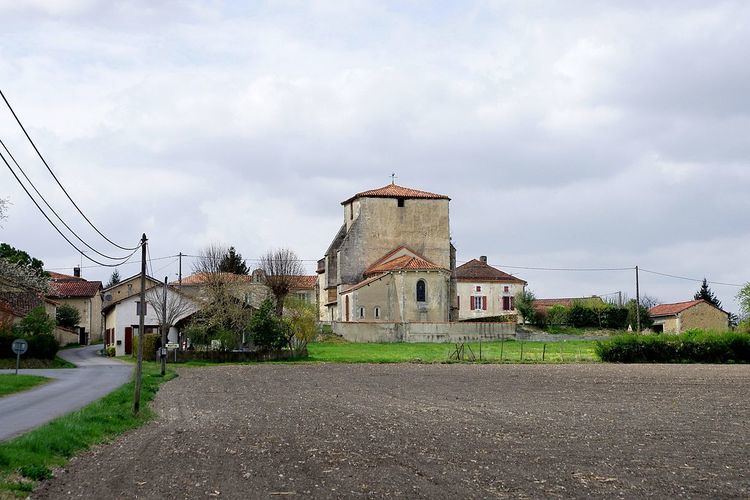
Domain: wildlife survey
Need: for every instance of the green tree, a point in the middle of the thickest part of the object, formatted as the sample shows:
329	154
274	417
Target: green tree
37	322
525	305
68	316
267	330
22	259
743	297
114	279
634	311
705	293
232	262
301	319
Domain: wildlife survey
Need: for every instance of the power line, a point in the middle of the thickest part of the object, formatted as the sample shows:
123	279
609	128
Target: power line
691	279
97	266
58	180
52	223
52	209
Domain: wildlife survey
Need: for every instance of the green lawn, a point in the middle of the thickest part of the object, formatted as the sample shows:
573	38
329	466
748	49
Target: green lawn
30	457
493	352
10	382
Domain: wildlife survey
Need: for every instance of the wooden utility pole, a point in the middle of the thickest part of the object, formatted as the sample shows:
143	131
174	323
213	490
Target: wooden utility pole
163	350
637	300
141	314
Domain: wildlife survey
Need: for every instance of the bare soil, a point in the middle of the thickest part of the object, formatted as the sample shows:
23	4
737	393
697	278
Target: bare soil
434	431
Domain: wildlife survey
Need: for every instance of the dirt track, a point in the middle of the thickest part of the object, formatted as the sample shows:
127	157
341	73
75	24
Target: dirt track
432	431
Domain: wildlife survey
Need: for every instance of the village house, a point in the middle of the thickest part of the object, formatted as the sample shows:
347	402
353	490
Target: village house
83	295
391	261
683	316
485	292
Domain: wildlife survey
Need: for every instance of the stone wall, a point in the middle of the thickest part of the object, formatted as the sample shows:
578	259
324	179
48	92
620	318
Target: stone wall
703	316
423	332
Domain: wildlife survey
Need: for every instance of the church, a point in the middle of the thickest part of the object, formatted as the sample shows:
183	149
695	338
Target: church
391	261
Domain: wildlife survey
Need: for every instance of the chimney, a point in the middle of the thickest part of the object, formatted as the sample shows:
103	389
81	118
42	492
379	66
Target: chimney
77	272
483	259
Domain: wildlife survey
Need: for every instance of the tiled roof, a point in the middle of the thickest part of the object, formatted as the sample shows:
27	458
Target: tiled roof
362	283
396	191
476	270
672	309
64	286
305	282
20	303
403	263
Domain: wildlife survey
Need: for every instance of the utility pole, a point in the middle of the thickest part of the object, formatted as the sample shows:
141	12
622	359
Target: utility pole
619	298
163	350
141	313
179	276
637	300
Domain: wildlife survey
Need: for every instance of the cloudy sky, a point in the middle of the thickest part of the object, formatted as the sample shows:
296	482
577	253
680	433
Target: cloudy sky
568	134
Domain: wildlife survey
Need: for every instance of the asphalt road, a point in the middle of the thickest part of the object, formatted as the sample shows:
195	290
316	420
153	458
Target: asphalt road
431	431
71	389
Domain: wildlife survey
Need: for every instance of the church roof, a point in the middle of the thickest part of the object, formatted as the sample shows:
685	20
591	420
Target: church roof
396	191
476	270
410	261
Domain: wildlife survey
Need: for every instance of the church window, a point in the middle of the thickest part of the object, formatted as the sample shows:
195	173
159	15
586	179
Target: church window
401	202
361	313
376	312
421	291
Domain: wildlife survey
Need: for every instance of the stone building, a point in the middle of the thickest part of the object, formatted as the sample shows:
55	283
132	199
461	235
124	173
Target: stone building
485	292
391	260
683	316
83	295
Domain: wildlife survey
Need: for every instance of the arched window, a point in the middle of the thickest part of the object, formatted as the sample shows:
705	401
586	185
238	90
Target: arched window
376	312
361	313
421	291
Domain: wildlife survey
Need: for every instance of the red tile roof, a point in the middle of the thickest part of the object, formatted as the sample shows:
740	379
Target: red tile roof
672	309
405	262
476	270
301	282
63	286
396	191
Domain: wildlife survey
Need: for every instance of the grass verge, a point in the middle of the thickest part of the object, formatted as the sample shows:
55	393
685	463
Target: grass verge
58	362
492	352
11	383
31	457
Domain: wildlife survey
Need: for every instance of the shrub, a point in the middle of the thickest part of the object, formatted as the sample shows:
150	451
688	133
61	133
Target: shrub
541	318
581	316
690	347
525	305
301	319
43	346
266	329
150	342
557	315
37	322
68	316
111	351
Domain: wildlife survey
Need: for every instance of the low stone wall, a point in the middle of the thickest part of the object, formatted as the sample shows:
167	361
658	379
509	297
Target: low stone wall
423	332
229	356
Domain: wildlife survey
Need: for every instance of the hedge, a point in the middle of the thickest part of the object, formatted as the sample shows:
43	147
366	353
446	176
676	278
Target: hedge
150	343
42	346
690	347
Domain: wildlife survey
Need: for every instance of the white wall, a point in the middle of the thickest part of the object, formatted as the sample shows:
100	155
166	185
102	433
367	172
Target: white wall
494	291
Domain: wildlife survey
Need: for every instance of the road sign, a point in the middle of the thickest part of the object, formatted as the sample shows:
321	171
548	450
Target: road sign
19	346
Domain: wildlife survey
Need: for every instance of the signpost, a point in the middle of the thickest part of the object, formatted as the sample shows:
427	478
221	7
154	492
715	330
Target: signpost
19	347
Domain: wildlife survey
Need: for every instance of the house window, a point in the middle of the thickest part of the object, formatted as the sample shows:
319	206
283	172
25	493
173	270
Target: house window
507	303
376	312
479	302
138	308
506	289
479	288
421	291
361	313
401	203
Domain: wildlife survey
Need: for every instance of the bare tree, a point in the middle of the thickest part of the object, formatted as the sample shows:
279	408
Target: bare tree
3	209
282	270
178	306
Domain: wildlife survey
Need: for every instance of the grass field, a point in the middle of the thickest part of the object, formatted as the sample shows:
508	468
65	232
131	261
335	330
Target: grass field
30	457
10	383
492	352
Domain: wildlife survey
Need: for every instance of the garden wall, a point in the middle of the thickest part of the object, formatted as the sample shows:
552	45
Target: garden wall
422	332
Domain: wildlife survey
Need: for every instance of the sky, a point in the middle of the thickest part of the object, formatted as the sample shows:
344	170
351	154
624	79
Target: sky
577	134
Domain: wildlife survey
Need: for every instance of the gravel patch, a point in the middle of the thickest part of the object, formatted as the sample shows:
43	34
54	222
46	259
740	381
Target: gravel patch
431	431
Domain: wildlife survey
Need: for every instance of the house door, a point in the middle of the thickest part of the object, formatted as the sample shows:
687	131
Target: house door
82	336
128	340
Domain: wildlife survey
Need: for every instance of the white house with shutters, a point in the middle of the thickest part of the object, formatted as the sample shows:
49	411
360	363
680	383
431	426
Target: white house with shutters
485	292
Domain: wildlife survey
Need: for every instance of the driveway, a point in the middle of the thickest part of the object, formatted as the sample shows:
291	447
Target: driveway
431	431
71	389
